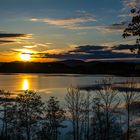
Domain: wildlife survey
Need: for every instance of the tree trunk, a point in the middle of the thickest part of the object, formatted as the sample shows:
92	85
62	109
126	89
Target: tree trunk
28	133
107	126
128	121
77	127
74	133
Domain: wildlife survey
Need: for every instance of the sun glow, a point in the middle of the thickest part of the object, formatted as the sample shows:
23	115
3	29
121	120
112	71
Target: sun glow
25	56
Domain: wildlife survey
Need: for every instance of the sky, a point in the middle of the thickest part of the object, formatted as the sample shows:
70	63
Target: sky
50	30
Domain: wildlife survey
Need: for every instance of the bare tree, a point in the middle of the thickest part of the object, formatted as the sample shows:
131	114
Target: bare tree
105	105
97	121
130	95
5	107
86	111
75	100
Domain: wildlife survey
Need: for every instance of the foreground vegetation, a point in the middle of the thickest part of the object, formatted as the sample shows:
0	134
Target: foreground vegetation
105	114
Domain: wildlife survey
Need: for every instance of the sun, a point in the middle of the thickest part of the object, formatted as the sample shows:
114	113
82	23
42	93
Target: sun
25	56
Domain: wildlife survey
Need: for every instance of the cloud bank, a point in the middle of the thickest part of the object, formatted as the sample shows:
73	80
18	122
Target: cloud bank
90	52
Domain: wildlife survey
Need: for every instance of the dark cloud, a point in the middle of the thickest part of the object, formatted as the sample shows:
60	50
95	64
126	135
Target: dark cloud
124	47
95	55
87	53
87	49
9	35
6	41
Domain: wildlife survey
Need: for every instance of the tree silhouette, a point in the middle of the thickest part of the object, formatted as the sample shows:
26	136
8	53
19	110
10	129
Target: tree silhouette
55	115
130	96
105	105
133	29
5	109
75	101
28	109
86	109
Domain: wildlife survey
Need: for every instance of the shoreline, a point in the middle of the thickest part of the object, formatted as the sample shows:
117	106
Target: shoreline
76	74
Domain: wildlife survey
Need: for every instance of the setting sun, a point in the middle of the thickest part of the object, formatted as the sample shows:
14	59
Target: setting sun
25	57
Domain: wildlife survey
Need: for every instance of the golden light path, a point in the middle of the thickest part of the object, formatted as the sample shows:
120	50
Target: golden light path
25	84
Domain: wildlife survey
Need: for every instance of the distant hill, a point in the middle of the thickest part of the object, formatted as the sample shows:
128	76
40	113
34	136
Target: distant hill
72	66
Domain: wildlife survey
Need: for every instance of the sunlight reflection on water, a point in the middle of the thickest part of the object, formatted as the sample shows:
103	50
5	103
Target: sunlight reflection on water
25	84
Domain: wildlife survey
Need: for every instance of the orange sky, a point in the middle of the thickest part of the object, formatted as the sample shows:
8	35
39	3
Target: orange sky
16	57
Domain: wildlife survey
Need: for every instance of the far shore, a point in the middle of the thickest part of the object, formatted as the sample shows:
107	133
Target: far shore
127	69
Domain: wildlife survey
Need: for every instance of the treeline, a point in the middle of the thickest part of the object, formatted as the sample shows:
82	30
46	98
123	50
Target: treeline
105	114
72	66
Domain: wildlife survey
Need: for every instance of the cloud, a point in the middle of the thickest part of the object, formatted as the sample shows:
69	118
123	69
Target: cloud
81	22
106	54
26	51
113	28
87	52
6	41
124	47
131	3
13	37
116	27
30	46
127	6
73	22
129	41
86	49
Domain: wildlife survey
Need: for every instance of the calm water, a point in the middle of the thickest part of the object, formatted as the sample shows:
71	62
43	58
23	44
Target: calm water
50	84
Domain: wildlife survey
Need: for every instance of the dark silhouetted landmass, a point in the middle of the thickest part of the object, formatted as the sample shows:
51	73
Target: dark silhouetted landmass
72	66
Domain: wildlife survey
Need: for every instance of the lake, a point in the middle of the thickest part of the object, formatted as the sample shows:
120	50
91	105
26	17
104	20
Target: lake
51	84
